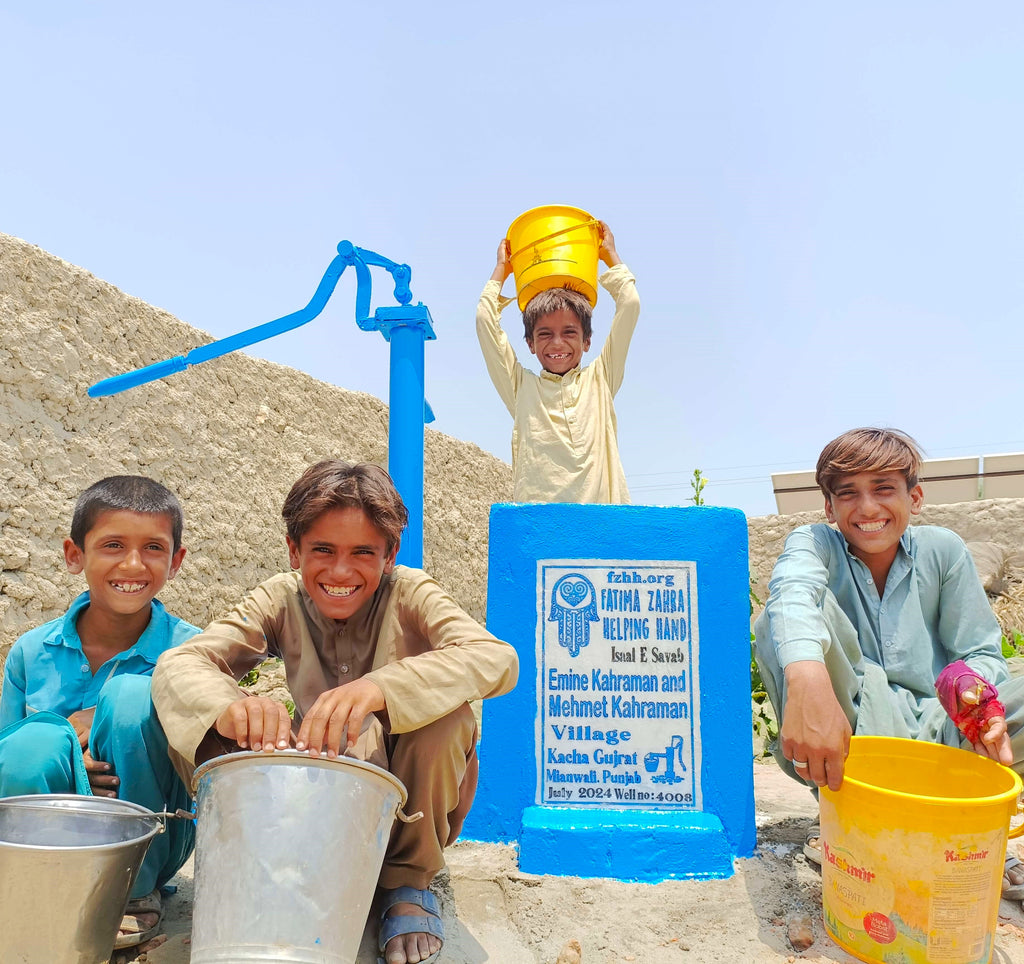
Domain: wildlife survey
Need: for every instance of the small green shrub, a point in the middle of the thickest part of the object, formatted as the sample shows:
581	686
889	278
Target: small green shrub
1014	647
697	483
250	678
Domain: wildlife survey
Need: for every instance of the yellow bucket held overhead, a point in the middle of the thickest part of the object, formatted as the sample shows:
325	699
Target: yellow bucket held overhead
913	846
554	246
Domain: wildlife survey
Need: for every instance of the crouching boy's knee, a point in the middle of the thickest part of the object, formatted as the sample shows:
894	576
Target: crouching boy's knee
36	756
124	710
454	733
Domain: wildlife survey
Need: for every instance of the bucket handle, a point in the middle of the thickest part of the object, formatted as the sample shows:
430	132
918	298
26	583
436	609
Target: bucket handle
554	234
1018	830
409	818
163	816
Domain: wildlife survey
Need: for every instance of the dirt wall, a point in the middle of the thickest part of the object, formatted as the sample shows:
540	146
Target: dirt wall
229	437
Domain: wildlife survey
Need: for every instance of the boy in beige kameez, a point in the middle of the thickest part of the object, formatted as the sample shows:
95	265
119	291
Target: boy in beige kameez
381	663
564	433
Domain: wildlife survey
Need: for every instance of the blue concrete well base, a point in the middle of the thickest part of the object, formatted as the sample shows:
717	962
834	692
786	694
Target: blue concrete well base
625	750
642	845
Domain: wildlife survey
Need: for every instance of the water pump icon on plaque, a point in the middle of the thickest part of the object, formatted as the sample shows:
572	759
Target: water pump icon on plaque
618	690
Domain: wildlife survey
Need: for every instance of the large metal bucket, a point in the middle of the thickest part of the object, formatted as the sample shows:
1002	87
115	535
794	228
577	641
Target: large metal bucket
288	851
67	865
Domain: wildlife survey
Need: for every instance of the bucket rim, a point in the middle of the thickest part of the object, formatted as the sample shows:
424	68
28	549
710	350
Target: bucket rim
549	208
92	804
1003	797
292	756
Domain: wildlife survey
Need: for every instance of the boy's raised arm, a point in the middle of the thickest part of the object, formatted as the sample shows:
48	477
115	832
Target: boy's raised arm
621	285
503	266
499	356
607	252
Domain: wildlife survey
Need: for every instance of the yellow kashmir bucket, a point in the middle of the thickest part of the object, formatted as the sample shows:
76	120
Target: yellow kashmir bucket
554	246
913	846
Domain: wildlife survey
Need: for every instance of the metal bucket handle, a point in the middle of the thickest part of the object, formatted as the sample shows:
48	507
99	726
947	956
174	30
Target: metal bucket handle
163	816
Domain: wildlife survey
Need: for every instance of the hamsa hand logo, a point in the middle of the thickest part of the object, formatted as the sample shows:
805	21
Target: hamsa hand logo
574	608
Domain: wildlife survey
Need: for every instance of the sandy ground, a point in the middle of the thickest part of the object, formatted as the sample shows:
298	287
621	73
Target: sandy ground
496	914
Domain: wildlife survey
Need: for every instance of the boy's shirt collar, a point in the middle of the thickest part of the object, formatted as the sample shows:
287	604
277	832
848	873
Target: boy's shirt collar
553	377
900	565
145	647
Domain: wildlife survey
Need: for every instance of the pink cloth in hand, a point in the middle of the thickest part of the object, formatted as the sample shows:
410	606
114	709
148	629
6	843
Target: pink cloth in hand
969	699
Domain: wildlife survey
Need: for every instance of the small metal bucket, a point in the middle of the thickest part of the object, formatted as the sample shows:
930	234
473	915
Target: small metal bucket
288	851
67	865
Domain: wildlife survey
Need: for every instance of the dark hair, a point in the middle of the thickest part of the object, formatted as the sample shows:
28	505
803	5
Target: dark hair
131	493
334	484
868	450
555	299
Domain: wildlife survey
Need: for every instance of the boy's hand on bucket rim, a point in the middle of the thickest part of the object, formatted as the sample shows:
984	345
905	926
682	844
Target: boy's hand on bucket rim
503	265
815	731
258	721
339	714
607	252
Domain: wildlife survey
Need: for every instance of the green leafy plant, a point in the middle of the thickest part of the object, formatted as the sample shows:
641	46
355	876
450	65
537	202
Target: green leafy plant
1014	646
697	483
250	678
765	727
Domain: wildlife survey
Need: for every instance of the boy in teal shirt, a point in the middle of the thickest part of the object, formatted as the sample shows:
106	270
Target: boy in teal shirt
75	709
862	618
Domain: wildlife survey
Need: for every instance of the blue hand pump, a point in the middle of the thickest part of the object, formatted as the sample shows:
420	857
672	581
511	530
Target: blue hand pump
404	326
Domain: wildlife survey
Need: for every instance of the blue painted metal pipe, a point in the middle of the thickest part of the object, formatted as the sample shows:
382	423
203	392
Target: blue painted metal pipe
406	435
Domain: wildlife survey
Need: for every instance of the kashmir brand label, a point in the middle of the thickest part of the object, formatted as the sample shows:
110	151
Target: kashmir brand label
617	684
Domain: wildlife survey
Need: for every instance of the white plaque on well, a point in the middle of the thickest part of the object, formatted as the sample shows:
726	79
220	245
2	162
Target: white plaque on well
617	684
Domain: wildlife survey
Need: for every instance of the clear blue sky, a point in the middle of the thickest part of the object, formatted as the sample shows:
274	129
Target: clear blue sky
822	203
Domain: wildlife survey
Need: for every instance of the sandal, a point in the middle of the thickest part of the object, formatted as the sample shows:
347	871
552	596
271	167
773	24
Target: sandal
133	930
1010	890
812	843
391	927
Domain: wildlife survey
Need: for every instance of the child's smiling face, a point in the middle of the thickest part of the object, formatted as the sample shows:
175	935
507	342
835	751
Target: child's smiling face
558	341
126	557
872	510
341	558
